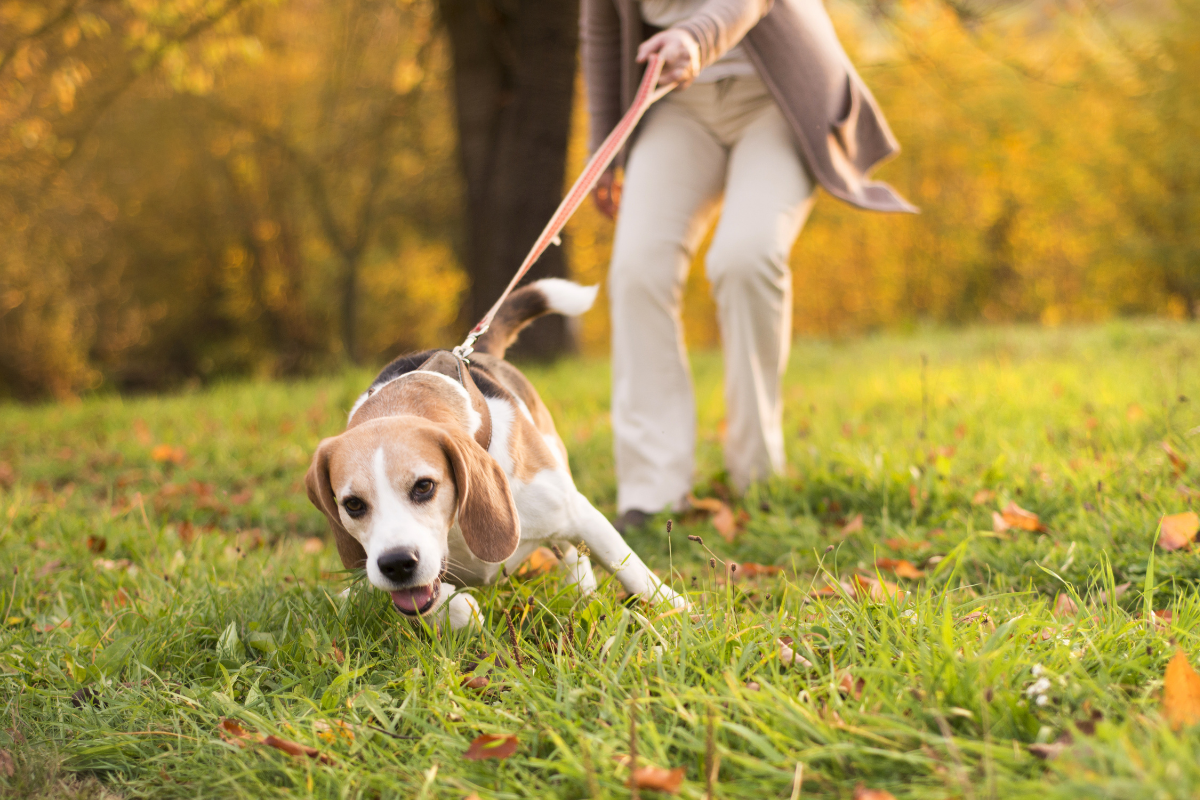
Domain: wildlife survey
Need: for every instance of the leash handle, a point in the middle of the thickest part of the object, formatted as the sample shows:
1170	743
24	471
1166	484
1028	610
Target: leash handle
646	96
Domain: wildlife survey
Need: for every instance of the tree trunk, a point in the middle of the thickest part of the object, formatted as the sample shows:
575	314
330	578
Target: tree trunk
514	79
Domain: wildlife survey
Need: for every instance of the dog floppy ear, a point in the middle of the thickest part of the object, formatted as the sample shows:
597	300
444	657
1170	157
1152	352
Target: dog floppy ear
487	515
320	493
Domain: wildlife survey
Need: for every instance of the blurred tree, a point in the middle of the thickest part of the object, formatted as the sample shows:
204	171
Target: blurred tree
514	78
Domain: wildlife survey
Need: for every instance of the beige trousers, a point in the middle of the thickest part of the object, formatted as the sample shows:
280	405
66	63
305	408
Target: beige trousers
725	137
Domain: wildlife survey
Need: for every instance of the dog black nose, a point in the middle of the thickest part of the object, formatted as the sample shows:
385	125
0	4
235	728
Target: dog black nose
399	565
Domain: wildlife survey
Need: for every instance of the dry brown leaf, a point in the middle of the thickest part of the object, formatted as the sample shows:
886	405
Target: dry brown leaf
50	567
848	684
476	681
165	453
338	655
657	778
120	599
1016	517
983	497
1181	692
1178	530
863	793
722	515
902	567
540	562
492	745
1163	618
7	767
233	733
872	588
975	616
853	526
1064	606
999	524
97	544
1178	464
789	657
296	749
313	545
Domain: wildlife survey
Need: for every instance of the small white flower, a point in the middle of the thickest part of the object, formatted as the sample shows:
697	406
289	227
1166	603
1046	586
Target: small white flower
1042	700
1037	670
1038	687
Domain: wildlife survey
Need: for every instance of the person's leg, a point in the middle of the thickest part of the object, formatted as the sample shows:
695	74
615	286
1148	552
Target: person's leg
768	195
673	176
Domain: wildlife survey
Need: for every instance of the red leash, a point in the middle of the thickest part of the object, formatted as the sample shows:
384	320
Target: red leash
646	97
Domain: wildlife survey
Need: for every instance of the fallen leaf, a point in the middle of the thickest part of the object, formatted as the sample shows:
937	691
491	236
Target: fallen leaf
863	793
230	731
1178	465
999	525
847	684
722	515
1178	530
1064	606
980	617
7	767
87	695
657	778
242	498
492	745
872	588
165	453
475	681
789	657
1118	590
1181	692
338	655
1163	618
540	562
982	497
97	544
296	749
120	599
902	567
64	624
186	531
1017	517
49	567
753	686
900	543
853	526
312	545
8	476
1047	752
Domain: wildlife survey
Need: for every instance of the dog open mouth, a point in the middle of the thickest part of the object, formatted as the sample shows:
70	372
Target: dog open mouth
418	600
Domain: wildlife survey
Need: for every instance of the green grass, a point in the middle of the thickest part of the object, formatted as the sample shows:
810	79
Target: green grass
206	605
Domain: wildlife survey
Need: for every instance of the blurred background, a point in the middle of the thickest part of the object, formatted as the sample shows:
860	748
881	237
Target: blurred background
198	189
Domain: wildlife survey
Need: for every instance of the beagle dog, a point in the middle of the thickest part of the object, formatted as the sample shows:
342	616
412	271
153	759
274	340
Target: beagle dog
451	474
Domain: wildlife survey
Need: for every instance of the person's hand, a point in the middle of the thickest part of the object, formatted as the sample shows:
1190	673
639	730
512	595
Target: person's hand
680	53
608	193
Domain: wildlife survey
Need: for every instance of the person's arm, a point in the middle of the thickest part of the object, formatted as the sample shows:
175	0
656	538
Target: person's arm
718	25
689	46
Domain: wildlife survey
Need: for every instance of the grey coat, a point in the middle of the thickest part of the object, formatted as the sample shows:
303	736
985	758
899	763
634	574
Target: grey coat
839	130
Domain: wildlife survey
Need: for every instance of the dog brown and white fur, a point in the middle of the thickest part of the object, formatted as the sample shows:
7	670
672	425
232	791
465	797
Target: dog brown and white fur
445	474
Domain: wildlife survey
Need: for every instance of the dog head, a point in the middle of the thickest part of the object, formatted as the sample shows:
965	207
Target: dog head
394	487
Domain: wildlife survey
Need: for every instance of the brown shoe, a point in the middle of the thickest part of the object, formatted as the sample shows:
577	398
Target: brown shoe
631	520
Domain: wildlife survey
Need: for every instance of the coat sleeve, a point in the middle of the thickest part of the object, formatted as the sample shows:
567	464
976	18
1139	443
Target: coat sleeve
600	44
718	25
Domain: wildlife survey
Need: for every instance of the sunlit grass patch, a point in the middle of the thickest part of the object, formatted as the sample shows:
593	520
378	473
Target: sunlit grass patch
170	576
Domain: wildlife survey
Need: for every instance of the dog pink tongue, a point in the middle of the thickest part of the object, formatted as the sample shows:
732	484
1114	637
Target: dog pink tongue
413	600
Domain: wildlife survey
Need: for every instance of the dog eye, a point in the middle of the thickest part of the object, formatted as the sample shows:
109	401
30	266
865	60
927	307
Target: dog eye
423	489
354	506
